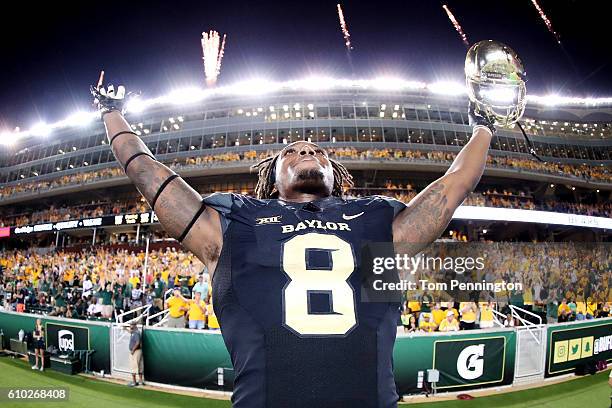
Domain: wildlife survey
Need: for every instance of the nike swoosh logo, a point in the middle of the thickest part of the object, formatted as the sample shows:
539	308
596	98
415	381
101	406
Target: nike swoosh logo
350	217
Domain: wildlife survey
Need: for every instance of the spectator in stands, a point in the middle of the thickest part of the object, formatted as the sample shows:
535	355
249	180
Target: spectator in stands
106	295
415	307
159	288
44	285
92	309
58	299
486	315
118	298
211	318
202	286
468	316
22	293
39	346
87	286
80	308
438	314
605	311
412	325
405	317
509	322
573	308
136	359
72	313
552	311
136	298
197	312
184	287
427	325
450	323
425	300
591	308
564	312
450	306
177	306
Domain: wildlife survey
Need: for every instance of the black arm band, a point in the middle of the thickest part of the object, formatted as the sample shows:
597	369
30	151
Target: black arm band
135	155
161	188
193	220
125	132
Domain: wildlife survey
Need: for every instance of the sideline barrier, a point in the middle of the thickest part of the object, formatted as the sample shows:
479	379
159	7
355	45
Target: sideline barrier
570	345
189	358
466	360
65	334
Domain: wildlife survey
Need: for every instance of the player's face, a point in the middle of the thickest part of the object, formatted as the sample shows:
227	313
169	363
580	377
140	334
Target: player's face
304	167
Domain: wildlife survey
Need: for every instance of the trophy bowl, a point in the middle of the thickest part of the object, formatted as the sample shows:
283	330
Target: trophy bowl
495	80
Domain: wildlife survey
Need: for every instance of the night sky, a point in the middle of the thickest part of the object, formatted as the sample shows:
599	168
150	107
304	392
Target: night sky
52	53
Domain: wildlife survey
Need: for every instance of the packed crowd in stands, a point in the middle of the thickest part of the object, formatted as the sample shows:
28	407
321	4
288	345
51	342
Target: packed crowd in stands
561	281
489	198
513	199
64	213
99	283
594	173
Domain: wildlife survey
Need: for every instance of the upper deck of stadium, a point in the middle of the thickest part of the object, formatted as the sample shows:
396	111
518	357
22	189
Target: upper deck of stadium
262	116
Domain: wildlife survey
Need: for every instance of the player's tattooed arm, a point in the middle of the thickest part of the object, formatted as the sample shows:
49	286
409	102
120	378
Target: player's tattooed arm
429	213
175	202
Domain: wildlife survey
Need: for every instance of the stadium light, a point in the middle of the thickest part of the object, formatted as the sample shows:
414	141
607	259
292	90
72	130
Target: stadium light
185	96
555	100
386	83
80	118
313	83
393	84
447	88
256	86
136	105
41	129
8	138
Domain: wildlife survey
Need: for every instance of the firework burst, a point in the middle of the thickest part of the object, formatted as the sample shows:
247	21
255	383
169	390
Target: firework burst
456	24
546	21
212	48
343	27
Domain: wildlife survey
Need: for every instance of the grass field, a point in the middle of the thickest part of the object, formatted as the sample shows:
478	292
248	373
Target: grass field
588	392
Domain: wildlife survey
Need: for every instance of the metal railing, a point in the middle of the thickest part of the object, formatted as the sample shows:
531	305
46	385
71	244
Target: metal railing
145	312
527	323
165	313
496	320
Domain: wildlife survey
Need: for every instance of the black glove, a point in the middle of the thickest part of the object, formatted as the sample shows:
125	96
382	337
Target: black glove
106	100
479	118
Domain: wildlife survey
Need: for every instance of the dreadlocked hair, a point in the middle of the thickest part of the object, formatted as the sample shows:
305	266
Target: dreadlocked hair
266	169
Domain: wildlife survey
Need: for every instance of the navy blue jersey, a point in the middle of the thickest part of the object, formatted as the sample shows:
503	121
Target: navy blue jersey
286	291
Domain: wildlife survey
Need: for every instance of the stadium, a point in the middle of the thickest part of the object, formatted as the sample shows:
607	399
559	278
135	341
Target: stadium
71	201
103	283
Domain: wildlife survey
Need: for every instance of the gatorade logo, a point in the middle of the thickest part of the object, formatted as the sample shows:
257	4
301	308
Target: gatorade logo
65	340
470	363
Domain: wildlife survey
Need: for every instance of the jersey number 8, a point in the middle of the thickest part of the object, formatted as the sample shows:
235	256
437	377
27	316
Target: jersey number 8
332	282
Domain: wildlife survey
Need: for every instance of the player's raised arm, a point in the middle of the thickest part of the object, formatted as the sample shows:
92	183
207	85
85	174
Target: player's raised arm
178	206
429	213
